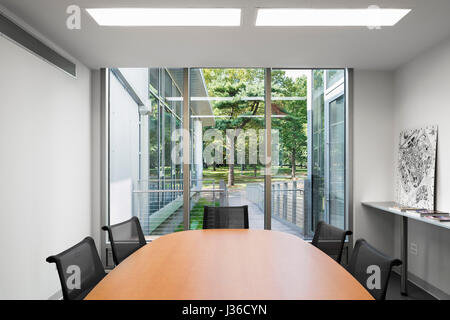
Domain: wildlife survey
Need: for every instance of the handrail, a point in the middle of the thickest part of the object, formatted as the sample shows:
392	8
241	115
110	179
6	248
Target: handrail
166	179
287	201
179	190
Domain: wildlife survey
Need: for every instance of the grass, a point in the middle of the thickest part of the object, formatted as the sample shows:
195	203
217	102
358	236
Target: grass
196	216
243	177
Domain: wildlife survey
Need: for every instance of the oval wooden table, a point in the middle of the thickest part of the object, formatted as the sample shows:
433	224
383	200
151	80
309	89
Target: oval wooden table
228	265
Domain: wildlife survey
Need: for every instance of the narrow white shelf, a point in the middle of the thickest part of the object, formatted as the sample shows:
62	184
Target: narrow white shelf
386	206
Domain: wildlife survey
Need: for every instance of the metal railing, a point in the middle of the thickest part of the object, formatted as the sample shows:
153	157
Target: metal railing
159	204
287	200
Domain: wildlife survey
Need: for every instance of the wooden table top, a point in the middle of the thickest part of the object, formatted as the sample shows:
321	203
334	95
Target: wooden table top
228	265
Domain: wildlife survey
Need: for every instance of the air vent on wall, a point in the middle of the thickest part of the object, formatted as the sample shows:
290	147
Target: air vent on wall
22	37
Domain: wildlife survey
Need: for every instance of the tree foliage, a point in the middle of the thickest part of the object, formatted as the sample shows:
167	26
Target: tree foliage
290	115
293	125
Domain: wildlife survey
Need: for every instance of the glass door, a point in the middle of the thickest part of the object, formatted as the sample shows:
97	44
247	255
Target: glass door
328	148
227	131
289	154
335	156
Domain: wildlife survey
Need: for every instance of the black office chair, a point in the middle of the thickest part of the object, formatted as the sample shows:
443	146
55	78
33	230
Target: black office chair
225	217
365	262
330	239
125	238
79	269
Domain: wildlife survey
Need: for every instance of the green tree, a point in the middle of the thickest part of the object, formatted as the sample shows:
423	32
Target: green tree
236	83
239	83
293	125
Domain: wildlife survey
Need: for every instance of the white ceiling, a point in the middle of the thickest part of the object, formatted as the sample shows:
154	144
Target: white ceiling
244	46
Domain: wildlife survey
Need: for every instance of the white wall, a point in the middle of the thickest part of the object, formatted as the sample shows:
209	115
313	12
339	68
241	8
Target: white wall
124	146
421	98
384	104
125	158
45	194
373	161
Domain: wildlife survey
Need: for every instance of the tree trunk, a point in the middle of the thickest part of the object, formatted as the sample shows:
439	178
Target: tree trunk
231	175
255	168
214	166
293	163
242	169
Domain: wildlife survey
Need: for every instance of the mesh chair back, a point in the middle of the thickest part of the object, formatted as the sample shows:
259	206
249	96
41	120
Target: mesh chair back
225	217
361	264
330	240
82	257
125	238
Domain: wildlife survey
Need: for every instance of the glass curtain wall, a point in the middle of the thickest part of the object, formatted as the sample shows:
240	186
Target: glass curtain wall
318	149
145	177
289	155
328	148
227	121
227	131
335	117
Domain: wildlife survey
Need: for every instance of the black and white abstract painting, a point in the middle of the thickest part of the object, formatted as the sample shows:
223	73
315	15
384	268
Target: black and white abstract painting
416	167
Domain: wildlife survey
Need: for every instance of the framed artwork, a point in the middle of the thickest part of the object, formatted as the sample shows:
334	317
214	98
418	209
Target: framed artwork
416	167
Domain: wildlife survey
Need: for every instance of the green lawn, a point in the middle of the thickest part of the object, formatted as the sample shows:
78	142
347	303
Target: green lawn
196	217
241	178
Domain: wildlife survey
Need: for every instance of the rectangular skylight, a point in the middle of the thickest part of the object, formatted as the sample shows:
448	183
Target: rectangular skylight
330	17
181	17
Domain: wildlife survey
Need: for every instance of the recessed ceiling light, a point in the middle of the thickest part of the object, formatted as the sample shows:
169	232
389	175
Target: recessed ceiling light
181	17
330	17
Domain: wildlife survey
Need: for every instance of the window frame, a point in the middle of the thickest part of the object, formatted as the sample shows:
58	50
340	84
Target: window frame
347	84
331	95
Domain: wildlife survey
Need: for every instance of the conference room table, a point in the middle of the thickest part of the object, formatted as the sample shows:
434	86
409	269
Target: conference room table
228	264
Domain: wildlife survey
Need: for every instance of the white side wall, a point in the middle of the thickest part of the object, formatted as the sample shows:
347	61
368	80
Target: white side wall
384	104
124	155
373	161
422	97
129	162
45	169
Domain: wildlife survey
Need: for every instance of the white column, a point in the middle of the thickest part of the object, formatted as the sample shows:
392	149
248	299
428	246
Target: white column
198	152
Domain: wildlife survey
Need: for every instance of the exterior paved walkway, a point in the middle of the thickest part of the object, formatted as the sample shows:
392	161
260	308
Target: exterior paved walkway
256	216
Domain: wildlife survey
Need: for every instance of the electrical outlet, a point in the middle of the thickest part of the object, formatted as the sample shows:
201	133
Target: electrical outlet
413	248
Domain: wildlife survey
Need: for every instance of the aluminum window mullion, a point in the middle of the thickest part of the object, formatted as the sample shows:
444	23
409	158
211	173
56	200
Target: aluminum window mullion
268	150
186	149
327	158
104	157
307	196
349	152
173	80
